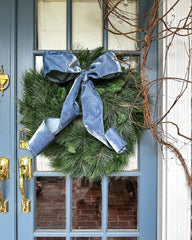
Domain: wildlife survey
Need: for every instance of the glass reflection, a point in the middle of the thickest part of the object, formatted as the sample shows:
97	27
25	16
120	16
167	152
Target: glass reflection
86	238
122	203
86	204
122	238
50	203
128	9
87	24
51	24
43	163
50	238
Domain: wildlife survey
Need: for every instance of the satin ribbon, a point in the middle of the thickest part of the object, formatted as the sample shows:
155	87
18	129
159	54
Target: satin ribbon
60	67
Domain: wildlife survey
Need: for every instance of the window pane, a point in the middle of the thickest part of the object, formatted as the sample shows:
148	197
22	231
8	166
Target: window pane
122	238
86	238
133	161
118	42
87	24
38	63
122	203
50	238
132	62
86	204
43	163
51	24
50	203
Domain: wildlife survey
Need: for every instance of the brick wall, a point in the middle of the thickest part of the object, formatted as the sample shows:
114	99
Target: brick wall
50	203
86	204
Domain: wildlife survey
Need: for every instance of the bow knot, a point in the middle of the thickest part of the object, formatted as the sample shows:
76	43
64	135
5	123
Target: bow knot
84	75
60	67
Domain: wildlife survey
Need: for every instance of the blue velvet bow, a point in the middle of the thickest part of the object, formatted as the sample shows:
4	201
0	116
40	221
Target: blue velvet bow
60	67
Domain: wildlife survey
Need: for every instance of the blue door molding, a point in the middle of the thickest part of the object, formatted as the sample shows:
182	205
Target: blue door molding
147	152
25	46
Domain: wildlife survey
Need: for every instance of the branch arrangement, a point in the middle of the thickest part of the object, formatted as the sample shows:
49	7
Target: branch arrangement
148	34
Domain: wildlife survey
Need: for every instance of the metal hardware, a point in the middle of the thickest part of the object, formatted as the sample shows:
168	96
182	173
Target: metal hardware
23	143
4	79
4	174
4	168
25	173
4	204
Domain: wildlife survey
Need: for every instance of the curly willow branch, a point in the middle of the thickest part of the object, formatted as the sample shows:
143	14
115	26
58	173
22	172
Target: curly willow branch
113	10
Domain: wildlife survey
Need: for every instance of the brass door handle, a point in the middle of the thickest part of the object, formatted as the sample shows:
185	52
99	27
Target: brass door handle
25	173
4	174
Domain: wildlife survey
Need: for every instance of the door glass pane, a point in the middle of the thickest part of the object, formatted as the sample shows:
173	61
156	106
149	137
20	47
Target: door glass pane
129	9
122	238
43	163
50	203
132	62
87	24
51	24
122	203
50	238
133	161
86	238
86	204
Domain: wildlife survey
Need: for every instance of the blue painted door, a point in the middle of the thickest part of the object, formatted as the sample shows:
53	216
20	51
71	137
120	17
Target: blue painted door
64	207
8	118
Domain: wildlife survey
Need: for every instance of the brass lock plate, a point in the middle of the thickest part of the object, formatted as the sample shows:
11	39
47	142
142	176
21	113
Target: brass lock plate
4	168
23	143
26	206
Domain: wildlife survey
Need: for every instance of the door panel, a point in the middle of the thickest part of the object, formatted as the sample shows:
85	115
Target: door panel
8	117
121	208
69	208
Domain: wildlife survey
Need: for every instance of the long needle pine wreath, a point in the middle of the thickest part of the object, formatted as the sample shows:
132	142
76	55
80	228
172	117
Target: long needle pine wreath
74	151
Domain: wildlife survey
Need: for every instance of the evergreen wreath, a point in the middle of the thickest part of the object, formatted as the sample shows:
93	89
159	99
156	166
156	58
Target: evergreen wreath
74	151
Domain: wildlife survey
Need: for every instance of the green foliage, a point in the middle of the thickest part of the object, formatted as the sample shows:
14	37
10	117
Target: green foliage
75	151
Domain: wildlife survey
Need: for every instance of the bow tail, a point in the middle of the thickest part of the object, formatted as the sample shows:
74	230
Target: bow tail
44	135
93	119
70	108
46	132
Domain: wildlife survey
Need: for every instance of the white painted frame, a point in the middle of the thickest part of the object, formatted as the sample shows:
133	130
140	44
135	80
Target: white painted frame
174	194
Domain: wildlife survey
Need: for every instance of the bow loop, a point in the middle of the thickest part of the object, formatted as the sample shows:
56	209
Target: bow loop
105	67
60	67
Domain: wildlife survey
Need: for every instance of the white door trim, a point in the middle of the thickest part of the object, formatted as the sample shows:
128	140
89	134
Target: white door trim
174	194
